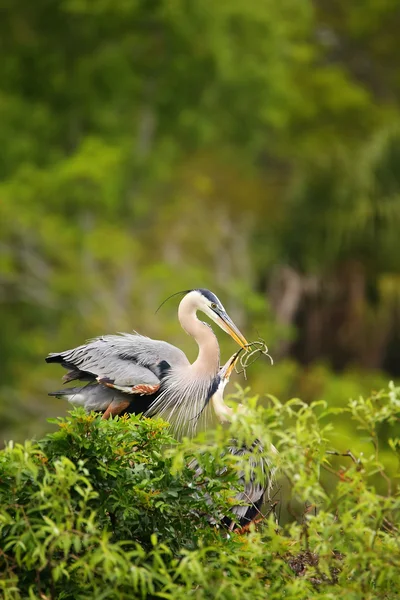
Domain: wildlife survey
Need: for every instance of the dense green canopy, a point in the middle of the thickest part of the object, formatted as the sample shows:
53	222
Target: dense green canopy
113	510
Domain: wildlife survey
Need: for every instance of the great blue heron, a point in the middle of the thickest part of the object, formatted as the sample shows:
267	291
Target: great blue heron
256	485
133	373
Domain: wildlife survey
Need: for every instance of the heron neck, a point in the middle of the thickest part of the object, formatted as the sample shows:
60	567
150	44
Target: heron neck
207	361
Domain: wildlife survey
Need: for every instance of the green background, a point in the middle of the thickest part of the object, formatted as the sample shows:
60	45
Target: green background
247	146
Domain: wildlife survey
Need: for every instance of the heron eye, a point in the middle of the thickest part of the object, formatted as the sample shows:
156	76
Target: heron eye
213	305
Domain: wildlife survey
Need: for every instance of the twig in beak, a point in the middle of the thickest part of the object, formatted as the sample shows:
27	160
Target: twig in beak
255	350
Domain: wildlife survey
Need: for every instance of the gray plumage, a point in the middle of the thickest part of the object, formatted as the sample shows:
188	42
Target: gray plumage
125	359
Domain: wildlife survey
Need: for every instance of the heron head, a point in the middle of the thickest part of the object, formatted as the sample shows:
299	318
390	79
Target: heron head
210	305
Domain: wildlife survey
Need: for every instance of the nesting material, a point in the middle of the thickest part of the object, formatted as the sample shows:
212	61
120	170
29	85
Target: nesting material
255	350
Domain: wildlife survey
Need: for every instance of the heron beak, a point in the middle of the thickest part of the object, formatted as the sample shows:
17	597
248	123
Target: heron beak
226	323
228	367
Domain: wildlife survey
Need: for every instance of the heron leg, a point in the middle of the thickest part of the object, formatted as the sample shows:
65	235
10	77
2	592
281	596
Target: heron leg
115	408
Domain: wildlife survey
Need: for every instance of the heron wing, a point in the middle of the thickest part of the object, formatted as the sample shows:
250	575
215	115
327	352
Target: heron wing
130	363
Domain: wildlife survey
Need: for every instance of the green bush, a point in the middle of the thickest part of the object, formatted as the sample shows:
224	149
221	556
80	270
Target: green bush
111	509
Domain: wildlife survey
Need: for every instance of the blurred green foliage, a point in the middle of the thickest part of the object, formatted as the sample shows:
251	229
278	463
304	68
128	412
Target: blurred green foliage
250	147
112	509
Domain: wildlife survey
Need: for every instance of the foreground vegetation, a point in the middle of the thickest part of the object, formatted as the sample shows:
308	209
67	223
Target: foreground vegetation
250	147
110	509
